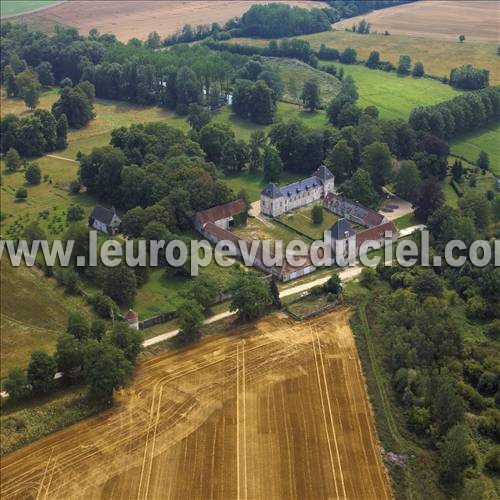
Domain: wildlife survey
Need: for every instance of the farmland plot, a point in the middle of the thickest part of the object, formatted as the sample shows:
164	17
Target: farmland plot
276	410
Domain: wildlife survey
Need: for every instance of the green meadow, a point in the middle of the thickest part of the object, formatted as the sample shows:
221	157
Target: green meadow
395	95
14	7
470	145
295	73
438	56
34	311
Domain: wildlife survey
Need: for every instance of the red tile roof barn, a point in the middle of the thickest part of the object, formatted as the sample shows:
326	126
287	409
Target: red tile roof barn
376	233
221	211
223	234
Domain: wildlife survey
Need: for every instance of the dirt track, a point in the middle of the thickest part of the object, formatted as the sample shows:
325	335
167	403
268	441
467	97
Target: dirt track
278	410
137	18
477	19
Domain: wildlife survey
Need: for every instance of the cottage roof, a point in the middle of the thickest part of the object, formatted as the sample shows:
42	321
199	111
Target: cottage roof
376	233
104	215
341	229
220	212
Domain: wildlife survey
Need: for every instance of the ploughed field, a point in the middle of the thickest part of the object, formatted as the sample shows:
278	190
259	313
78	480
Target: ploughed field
275	409
128	19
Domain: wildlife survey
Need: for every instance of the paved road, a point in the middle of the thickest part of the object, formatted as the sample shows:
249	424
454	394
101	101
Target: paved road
173	333
346	275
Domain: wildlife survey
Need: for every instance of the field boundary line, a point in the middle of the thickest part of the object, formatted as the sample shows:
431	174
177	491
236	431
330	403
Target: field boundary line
324	413
380	384
244	419
330	412
238	420
152	454
44	475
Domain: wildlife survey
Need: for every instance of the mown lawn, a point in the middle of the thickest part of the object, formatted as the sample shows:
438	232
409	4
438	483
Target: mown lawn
438	56
256	229
470	145
164	293
14	7
395	96
301	220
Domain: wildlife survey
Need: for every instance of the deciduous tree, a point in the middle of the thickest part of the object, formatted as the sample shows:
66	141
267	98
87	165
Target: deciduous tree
41	371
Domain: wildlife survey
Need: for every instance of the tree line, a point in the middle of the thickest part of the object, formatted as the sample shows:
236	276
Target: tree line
130	72
444	376
45	131
90	352
466	112
274	21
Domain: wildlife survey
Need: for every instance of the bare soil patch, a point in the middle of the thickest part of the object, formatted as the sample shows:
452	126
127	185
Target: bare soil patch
476	19
128	19
278	409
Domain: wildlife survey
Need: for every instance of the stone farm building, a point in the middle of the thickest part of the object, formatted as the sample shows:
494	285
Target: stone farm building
105	220
375	225
275	201
215	225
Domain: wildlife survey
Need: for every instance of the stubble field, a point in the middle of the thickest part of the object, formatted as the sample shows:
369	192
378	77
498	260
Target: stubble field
276	410
127	19
444	19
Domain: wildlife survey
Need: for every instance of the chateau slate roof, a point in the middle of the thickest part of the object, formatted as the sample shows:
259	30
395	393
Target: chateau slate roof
323	173
104	215
340	228
300	186
272	191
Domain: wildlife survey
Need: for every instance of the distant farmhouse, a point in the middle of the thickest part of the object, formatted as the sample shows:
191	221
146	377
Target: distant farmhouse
105	220
275	201
215	224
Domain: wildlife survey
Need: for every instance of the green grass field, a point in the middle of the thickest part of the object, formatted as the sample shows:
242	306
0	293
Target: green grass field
470	145
256	229
34	311
295	73
394	95
163	293
484	183
301	220
438	56
14	7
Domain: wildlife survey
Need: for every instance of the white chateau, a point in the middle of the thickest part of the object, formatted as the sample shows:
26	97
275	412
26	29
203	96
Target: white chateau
275	201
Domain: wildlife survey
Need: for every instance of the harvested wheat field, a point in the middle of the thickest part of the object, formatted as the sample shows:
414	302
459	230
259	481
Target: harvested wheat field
277	409
127	19
477	19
